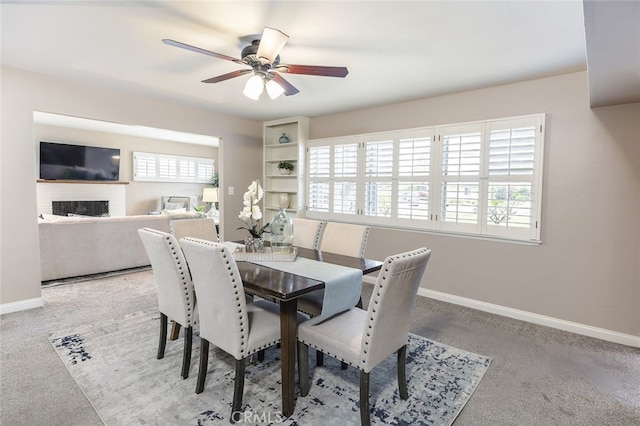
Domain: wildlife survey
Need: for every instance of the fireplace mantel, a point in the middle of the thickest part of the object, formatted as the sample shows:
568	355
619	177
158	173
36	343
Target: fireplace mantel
89	182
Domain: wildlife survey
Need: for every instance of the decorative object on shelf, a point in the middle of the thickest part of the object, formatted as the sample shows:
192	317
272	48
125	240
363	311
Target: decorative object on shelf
285	167
281	232
283	200
251	216
284	138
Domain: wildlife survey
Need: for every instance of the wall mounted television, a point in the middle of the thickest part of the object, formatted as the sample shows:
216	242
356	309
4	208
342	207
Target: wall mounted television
59	161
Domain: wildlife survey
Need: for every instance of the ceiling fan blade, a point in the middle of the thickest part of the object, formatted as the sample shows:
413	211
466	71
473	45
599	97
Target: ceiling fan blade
313	70
271	44
226	76
199	50
288	87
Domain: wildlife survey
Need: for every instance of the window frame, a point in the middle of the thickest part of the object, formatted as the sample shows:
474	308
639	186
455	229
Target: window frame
522	228
187	169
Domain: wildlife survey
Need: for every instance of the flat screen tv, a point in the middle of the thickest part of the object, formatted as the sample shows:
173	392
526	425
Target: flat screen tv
59	161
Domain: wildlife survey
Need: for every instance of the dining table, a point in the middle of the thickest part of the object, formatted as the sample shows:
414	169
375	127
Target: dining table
285	288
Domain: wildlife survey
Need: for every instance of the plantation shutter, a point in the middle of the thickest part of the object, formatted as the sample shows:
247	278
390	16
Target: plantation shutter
378	178
345	174
414	178
144	166
171	168
512	177
319	166
460	178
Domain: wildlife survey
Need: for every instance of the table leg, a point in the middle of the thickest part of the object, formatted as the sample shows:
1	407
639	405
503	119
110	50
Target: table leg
288	335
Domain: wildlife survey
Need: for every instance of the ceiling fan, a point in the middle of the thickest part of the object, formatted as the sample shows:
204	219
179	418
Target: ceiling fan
262	56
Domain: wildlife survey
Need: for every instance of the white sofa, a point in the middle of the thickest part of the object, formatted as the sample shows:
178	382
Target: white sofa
75	246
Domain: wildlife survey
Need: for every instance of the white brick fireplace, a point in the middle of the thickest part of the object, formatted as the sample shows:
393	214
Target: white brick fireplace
115	193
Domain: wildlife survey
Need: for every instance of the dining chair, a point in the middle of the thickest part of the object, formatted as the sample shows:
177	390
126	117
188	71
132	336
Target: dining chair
347	239
364	339
341	238
306	233
204	228
176	297
226	320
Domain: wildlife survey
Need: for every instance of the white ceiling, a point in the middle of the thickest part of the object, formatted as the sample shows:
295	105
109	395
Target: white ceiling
394	50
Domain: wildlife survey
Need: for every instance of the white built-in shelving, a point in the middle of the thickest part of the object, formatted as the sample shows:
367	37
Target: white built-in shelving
275	183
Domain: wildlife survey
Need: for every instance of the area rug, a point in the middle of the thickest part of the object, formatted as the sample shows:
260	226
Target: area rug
115	365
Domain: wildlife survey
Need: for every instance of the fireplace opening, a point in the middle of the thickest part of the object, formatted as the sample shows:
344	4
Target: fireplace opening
82	208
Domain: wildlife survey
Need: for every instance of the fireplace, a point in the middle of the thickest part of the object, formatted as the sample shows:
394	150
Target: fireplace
84	208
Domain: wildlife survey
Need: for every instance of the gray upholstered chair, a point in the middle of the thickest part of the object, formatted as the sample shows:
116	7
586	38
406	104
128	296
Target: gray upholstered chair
341	238
344	238
197	228
362	338
306	233
176	297
225	319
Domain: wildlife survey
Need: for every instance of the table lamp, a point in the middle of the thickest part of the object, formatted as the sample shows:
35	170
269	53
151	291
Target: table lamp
210	195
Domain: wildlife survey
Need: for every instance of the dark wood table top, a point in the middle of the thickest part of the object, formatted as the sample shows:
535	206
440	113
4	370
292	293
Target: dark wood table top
286	286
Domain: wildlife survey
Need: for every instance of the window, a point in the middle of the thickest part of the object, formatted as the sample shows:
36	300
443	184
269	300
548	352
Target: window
480	178
152	167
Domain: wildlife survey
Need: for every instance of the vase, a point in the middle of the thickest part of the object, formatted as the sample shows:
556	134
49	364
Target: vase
283	200
254	245
285	171
284	138
281	238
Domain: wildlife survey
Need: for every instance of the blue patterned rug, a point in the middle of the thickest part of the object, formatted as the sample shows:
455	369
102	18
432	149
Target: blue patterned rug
115	365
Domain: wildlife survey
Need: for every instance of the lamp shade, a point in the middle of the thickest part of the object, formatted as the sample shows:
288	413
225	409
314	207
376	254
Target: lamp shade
254	87
271	43
210	195
274	89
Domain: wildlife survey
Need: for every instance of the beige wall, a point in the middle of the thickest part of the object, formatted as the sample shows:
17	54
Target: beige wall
587	268
23	93
142	197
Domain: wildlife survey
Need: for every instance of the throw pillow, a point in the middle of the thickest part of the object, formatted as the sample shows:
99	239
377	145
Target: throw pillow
173	206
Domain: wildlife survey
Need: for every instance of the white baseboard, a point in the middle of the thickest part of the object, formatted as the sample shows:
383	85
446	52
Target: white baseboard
573	327
22	305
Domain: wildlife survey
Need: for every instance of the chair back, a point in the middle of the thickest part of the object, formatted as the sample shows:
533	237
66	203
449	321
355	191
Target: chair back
306	233
176	297
391	306
344	238
223	310
197	228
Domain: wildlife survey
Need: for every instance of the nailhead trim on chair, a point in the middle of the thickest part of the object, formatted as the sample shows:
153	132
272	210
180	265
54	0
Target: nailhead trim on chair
243	337
377	295
183	278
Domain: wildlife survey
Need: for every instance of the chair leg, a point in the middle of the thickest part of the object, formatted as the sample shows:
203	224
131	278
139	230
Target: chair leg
186	356
359	304
344	365
365	420
163	336
238	389
303	368
402	375
175	331
204	360
261	355
319	358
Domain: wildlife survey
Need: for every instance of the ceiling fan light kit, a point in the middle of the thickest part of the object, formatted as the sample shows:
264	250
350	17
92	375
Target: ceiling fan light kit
262	56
